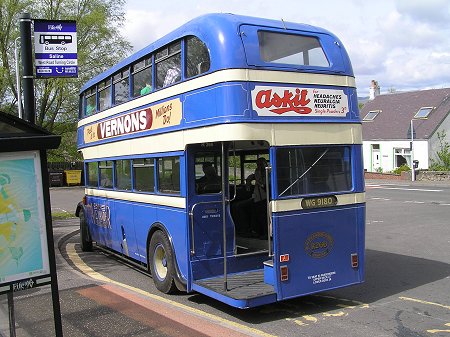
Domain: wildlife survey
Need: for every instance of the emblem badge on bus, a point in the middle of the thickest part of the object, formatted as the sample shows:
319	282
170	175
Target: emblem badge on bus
319	244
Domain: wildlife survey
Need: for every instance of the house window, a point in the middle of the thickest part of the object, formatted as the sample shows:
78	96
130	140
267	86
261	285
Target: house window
401	157
371	115
423	112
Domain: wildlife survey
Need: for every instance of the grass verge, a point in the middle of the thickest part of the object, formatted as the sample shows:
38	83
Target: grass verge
62	215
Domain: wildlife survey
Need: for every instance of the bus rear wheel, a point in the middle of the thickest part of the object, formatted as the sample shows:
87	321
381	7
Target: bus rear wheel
85	238
161	263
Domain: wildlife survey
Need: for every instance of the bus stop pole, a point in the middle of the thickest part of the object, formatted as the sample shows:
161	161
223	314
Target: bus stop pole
413	173
18	85
12	317
27	65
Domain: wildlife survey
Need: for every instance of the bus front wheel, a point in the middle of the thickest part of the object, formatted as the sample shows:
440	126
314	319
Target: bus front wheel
85	238
162	263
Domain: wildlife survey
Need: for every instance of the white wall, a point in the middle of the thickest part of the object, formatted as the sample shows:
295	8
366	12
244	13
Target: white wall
387	162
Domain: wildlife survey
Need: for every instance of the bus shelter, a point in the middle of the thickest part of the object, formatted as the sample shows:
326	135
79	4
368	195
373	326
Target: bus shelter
27	257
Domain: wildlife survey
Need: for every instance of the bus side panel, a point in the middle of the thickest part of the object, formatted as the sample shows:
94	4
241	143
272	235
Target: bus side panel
320	244
173	220
216	102
144	216
124	223
99	220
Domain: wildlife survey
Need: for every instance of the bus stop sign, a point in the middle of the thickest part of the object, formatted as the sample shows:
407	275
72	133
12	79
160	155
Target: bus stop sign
55	46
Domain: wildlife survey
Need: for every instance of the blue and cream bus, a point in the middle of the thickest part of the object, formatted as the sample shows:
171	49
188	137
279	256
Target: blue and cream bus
226	158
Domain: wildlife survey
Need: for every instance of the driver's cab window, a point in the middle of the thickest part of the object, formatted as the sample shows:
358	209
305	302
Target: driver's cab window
208	173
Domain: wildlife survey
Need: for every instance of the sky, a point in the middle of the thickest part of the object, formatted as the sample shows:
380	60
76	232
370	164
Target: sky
402	44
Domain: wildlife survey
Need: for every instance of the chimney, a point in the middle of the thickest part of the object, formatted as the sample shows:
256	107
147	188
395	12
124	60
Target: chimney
374	90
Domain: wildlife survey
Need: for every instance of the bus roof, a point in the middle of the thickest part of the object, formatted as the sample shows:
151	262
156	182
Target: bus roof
222	31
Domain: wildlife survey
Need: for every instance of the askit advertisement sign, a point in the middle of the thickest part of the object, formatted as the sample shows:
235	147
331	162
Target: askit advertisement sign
299	102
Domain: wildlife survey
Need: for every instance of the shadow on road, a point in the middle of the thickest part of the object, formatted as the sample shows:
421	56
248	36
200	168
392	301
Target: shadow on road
387	274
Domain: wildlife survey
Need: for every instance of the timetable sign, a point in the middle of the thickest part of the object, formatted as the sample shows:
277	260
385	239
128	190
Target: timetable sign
55	47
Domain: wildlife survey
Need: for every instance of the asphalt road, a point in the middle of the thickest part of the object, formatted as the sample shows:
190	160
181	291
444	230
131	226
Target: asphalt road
65	199
406	293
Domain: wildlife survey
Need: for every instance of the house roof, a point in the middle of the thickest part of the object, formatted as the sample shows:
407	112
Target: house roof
396	111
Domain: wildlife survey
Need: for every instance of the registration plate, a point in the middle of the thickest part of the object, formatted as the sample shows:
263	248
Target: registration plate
317	202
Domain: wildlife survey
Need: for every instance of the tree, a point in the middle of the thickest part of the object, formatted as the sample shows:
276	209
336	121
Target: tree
442	161
100	45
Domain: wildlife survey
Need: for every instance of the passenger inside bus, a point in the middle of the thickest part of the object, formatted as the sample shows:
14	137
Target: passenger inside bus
173	75
146	90
90	109
210	182
250	215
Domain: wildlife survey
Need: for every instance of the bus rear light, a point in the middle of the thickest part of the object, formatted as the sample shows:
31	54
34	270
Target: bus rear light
284	258
284	273
354	260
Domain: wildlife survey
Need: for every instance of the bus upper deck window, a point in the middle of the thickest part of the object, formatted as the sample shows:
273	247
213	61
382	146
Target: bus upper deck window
291	49
104	95
121	87
142	77
168	65
197	57
90	105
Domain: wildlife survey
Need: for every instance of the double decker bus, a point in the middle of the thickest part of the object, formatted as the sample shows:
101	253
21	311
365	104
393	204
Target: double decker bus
226	159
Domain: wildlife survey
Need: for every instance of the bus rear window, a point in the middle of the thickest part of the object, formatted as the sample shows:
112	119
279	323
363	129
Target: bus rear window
312	170
291	49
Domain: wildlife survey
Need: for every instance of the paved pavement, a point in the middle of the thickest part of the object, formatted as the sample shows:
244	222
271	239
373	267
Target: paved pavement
92	308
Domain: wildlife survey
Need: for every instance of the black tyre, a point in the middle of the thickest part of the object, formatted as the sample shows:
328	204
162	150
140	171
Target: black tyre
161	263
85	237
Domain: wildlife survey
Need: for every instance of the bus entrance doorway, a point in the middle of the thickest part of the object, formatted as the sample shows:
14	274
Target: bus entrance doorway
244	200
223	180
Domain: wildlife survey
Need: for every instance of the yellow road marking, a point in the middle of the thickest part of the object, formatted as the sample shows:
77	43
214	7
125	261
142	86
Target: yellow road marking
437	330
345	306
297	321
425	302
310	318
338	314
79	263
354	302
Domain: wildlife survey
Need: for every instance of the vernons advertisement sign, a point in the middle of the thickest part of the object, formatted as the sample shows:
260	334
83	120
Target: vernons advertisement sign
155	117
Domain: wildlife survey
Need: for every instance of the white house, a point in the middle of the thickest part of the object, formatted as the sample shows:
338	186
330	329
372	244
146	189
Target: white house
386	128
